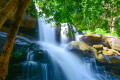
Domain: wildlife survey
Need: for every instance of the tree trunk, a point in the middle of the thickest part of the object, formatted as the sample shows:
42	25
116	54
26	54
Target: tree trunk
8	46
112	29
7	10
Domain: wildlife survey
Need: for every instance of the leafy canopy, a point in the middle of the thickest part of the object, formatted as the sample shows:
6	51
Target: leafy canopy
83	14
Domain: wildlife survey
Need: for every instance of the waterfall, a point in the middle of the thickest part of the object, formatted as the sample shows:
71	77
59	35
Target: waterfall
64	31
30	67
46	32
69	66
33	70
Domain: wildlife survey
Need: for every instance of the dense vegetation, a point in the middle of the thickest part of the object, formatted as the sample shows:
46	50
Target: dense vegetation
85	15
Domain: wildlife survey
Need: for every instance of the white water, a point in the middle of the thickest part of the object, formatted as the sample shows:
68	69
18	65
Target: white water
64	31
71	65
46	32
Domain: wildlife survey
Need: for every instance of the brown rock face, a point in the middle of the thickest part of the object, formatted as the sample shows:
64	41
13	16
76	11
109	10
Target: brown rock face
92	39
98	47
27	26
114	42
28	23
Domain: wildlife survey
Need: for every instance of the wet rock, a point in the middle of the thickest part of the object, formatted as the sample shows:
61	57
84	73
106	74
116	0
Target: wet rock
101	58
58	33
13	71
81	49
78	45
41	56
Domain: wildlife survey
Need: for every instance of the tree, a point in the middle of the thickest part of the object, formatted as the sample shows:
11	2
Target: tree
8	46
83	14
7	11
111	13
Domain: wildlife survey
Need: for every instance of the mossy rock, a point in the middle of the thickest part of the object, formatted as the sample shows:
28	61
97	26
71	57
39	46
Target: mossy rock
18	57
82	49
110	52
78	45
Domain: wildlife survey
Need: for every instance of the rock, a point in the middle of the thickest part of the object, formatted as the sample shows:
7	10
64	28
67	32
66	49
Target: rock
98	47
105	44
100	57
114	59
58	33
108	55
92	39
110	52
94	51
82	49
78	45
28	23
41	55
114	42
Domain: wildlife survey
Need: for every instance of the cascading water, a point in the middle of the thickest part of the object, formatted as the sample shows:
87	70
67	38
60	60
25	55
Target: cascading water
64	31
30	67
69	66
33	70
47	33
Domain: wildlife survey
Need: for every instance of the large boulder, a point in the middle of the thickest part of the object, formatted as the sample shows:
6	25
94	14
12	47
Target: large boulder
81	49
114	42
92	39
78	45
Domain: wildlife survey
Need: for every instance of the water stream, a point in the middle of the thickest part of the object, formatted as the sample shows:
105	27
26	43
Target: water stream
71	66
64	65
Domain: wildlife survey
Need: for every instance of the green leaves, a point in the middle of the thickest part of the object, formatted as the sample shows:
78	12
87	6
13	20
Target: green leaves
98	13
31	10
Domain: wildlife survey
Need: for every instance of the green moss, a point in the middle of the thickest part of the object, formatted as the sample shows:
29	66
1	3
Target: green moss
17	57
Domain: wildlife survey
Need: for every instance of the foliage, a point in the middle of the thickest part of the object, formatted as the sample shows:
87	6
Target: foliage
32	11
102	31
117	26
83	14
17	57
